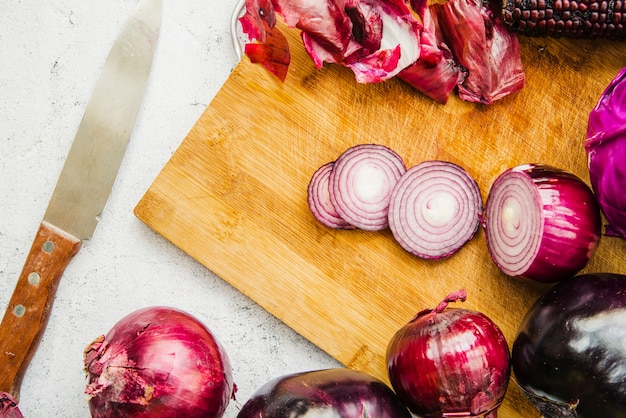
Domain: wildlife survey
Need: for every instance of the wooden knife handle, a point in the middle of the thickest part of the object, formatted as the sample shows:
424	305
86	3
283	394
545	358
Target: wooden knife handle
29	308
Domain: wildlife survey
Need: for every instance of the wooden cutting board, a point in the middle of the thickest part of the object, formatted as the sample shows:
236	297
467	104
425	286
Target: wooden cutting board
233	196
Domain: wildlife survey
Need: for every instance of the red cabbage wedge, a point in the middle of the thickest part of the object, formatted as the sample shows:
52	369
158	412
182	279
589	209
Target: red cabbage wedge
541	223
569	355
606	154
329	393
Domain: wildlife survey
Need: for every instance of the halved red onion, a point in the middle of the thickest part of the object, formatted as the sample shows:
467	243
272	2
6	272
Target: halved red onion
361	183
318	198
541	223
434	209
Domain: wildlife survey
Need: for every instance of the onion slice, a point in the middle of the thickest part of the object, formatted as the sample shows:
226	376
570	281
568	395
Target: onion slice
434	209
361	183
541	223
318	198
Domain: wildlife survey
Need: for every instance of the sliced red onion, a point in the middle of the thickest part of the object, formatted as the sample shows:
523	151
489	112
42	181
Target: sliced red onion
318	198
450	362
541	223
434	209
361	183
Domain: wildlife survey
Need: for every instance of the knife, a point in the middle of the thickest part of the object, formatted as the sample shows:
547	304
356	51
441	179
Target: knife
82	190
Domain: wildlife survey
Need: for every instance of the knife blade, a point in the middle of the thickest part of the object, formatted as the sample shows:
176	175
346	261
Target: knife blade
81	191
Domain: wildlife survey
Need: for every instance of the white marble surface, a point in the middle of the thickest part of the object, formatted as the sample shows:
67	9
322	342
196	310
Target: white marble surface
51	55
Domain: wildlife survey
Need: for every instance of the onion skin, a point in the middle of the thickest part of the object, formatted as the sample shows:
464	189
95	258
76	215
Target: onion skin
450	362
336	392
158	362
569	355
568	227
606	152
376	39
483	44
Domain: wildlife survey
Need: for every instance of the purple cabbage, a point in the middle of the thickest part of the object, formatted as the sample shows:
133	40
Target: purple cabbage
606	154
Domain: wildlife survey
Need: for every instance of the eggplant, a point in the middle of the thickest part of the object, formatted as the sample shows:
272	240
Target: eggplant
569	355
331	393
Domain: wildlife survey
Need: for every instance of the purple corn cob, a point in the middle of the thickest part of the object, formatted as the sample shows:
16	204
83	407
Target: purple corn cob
567	18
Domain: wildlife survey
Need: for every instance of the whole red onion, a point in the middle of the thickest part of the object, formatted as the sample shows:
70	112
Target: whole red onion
8	407
158	362
450	362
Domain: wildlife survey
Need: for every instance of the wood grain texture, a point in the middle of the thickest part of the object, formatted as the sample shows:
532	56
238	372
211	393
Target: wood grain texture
28	311
233	196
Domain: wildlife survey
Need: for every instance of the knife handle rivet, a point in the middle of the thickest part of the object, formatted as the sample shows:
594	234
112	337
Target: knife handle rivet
34	278
48	247
19	310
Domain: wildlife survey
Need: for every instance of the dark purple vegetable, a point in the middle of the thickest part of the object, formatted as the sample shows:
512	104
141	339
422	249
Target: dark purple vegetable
567	18
450	362
158	362
361	183
434	209
541	223
328	393
318	198
606	153
569	355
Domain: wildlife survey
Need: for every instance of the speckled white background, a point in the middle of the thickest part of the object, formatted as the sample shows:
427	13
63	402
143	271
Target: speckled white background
51	54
